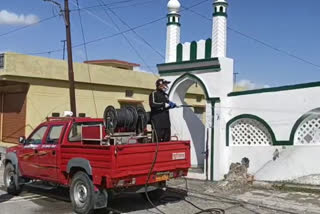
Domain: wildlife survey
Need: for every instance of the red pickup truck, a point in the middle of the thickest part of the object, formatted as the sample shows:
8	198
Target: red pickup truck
92	167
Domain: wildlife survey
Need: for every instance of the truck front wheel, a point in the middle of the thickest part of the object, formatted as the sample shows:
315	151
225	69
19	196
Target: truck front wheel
10	179
82	193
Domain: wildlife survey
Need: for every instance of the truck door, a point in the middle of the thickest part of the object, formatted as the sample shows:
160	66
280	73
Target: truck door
28	156
48	167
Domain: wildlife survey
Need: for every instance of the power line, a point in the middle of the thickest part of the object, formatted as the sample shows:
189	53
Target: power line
133	5
27	26
116	34
261	42
107	5
274	48
145	41
54	16
86	54
125	37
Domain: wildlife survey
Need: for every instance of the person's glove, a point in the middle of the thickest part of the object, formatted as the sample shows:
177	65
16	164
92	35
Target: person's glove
172	104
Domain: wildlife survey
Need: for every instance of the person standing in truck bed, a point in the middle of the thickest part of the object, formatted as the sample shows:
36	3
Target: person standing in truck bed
160	105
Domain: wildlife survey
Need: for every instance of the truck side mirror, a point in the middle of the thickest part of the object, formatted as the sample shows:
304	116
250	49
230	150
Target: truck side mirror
22	140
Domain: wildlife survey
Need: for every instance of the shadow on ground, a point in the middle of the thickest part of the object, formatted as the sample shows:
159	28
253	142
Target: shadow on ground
58	199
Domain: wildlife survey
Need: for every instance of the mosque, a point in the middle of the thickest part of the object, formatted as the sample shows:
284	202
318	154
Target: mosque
277	129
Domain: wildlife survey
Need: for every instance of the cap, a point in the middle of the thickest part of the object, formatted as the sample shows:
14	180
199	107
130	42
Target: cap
162	82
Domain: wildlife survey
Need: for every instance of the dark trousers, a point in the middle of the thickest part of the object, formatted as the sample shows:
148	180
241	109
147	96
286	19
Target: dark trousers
162	134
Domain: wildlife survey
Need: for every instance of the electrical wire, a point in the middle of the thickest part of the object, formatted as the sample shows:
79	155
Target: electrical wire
27	26
260	41
135	32
86	55
110	4
116	34
125	37
133	5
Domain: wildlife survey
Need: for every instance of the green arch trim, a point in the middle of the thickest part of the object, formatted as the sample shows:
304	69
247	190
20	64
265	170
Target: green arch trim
208	48
254	117
191	76
193	51
299	121
179	52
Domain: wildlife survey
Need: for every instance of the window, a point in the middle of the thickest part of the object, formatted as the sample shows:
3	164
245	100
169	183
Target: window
1	61
37	137
129	93
221	9
75	131
54	134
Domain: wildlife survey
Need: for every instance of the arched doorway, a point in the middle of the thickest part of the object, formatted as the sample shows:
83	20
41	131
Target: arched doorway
193	123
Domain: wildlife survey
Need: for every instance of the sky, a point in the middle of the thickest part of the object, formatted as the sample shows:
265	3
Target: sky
291	26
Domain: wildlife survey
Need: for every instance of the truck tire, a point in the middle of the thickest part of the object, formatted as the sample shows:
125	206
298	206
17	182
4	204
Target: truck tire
11	179
82	193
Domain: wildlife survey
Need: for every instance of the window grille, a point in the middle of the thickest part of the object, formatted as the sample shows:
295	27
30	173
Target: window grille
249	132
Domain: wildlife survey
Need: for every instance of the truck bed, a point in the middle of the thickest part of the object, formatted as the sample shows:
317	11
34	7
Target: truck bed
126	165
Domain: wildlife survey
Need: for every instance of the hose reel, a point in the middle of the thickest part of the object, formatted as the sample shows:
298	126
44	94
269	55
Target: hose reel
127	119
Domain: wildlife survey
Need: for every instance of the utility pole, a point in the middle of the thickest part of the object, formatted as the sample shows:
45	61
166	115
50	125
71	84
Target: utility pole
66	16
70	60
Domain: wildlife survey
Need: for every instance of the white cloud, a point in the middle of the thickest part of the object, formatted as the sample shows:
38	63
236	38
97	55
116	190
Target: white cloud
10	18
246	84
249	85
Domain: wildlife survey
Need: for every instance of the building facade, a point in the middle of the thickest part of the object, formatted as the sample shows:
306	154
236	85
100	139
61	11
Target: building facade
32	88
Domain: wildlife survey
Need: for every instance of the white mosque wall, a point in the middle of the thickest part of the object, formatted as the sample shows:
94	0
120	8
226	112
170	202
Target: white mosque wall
284	158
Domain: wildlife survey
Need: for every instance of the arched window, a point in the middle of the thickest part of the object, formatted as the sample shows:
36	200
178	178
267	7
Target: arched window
307	129
221	9
173	19
249	130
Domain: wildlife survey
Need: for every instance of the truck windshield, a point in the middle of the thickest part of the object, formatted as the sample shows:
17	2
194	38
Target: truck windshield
75	131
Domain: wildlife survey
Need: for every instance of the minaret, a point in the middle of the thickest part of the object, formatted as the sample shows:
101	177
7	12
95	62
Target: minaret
173	30
219	29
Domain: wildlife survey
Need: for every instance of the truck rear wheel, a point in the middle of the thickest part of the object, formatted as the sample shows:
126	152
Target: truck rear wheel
82	193
10	179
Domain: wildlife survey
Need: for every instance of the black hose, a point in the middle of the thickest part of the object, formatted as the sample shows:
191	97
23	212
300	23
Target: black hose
126	118
151	169
211	210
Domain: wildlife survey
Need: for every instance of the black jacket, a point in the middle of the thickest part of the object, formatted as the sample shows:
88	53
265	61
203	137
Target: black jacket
159	112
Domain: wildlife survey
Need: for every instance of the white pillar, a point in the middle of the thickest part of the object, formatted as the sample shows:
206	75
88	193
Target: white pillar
173	31
219	29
